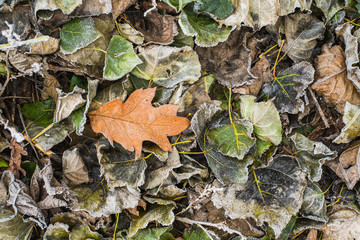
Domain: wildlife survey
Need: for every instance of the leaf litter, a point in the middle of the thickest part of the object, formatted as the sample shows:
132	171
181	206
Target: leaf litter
179	120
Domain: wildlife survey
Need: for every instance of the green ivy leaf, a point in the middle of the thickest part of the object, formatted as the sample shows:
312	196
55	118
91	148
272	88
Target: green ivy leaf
196	233
120	58
76	34
178	4
218	8
42	113
15	228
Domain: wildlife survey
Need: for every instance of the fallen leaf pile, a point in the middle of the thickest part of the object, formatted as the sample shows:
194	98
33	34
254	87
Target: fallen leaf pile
179	120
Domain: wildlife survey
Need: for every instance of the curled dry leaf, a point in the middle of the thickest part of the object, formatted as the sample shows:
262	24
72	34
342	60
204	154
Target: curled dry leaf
137	121
331	79
15	161
348	166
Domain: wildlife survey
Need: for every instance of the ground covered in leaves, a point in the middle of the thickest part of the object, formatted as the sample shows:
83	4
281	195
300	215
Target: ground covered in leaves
186	120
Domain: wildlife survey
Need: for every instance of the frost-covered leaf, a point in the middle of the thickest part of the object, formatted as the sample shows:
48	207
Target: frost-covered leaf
53	136
311	155
233	140
177	4
207	31
332	80
329	7
348	164
93	8
181	40
264	117
21	201
168	66
45	47
229	61
150	233
74	168
302	32
272	194
289	87
39	112
83	231
26	64
130	34
253	13
289	6
351	53
120	58
351	119
68	102
76	34
313	206
158	176
66	6
14	228
196	232
119	166
163	214
343	223
226	169
57	231
220	9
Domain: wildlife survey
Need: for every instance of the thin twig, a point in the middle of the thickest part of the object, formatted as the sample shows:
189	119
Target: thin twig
322	115
23	124
220	226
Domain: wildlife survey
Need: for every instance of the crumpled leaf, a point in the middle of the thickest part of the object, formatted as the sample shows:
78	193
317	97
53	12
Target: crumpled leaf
15	158
351	53
26	64
207	31
196	232
168	66
313	206
119	166
21	201
347	166
302	31
226	169
93	8
14	228
158	176
53	136
76	34
49	91
68	102
289	87
74	167
229	61
282	184
119	6
66	6
177	4
351	119
157	27
139	120
311	155
264	117
45	47
130	34
163	214
253	13
120	58
39	112
343	224
233	140
57	231
220	9
332	79
288	6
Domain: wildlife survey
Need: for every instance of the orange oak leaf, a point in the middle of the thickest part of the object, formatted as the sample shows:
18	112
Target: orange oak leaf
136	120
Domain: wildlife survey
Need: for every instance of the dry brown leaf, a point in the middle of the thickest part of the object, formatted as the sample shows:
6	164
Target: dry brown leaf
136	120
348	166
331	79
50	91
15	161
119	6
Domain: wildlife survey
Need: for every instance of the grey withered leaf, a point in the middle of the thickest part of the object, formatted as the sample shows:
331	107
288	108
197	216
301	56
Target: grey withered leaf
229	61
289	87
